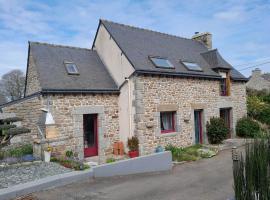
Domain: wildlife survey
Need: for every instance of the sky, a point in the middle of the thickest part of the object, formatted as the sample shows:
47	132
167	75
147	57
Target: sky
240	28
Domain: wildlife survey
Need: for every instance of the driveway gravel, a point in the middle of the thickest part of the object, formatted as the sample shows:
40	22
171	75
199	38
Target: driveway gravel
13	175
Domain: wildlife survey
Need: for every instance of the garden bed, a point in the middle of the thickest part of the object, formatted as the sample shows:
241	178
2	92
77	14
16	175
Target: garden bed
191	153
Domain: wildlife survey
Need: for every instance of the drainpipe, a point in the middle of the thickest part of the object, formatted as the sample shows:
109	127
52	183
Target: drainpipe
129	106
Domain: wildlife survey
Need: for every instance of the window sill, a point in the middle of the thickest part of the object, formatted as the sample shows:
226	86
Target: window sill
168	134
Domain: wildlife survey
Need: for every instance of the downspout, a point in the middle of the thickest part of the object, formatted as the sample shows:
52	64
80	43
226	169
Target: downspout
129	106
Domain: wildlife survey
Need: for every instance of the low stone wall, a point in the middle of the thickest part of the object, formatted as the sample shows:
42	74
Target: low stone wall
151	163
29	109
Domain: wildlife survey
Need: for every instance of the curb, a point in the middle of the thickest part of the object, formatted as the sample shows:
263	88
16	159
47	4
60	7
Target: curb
44	183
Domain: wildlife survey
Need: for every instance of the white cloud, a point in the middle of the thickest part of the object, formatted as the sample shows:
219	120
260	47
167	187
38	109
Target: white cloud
235	14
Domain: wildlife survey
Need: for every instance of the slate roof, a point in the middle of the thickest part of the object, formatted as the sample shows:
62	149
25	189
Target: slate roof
49	60
138	44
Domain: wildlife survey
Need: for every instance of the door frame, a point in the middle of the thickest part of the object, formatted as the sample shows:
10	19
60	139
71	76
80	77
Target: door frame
230	120
92	151
201	130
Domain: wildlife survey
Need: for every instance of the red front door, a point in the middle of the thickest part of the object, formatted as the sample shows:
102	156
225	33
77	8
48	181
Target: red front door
90	135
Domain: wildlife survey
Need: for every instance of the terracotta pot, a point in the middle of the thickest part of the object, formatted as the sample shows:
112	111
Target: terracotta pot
133	154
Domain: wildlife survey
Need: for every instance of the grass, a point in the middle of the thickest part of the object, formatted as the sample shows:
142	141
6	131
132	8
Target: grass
186	154
110	160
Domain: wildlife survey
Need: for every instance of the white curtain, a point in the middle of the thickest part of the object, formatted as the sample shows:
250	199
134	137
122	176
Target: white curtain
166	121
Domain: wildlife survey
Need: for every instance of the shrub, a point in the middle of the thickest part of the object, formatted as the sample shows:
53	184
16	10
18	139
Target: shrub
69	154
20	151
133	143
246	127
216	130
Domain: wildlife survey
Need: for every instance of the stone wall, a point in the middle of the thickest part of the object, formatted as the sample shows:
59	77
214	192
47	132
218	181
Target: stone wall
29	109
33	84
68	111
154	93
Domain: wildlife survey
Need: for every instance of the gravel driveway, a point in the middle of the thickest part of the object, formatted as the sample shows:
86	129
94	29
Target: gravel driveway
208	179
21	174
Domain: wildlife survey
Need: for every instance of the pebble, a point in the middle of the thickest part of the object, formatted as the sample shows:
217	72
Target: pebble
13	175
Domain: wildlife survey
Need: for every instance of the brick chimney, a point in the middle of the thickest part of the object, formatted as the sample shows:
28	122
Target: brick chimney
256	72
205	38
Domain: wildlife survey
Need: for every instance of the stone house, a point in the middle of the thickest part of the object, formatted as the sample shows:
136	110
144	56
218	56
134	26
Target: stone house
259	81
159	87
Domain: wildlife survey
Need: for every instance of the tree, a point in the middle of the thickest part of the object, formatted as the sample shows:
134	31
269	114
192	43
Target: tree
12	84
8	130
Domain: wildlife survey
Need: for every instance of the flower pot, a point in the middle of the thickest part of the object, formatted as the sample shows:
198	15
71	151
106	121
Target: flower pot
47	156
133	154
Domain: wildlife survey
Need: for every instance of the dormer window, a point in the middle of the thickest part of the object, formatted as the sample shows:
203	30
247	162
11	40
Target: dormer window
192	66
71	68
161	62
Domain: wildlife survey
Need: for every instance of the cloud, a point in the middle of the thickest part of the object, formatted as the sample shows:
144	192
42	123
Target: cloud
240	28
235	14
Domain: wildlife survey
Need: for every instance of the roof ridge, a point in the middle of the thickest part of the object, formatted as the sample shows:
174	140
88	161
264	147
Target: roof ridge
58	45
149	30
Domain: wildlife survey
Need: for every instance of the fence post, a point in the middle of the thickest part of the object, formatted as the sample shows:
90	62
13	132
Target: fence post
235	157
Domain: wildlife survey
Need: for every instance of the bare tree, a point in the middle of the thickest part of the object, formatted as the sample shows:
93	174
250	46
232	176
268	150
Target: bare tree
12	84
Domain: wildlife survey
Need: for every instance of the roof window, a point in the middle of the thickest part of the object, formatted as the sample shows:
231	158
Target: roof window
192	66
161	62
71	68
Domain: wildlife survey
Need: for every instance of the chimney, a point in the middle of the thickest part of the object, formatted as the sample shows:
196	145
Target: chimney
256	72
205	38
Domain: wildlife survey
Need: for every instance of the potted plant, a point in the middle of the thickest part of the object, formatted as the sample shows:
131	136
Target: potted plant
47	154
133	145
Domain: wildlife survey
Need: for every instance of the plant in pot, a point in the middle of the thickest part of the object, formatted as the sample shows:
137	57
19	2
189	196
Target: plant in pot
47	154
133	145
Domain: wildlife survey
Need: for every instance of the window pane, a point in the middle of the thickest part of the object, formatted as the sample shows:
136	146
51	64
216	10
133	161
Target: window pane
192	66
167	121
162	62
223	87
71	68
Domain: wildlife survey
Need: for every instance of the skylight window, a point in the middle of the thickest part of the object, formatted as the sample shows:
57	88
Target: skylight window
71	68
161	62
192	66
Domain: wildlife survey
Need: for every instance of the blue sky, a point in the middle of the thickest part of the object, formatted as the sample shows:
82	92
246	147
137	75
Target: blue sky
240	28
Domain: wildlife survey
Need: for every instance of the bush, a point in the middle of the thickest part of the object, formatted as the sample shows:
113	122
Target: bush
133	144
69	154
20	151
246	127
216	130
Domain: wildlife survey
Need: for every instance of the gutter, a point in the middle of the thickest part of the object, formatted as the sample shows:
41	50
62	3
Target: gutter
78	91
180	74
